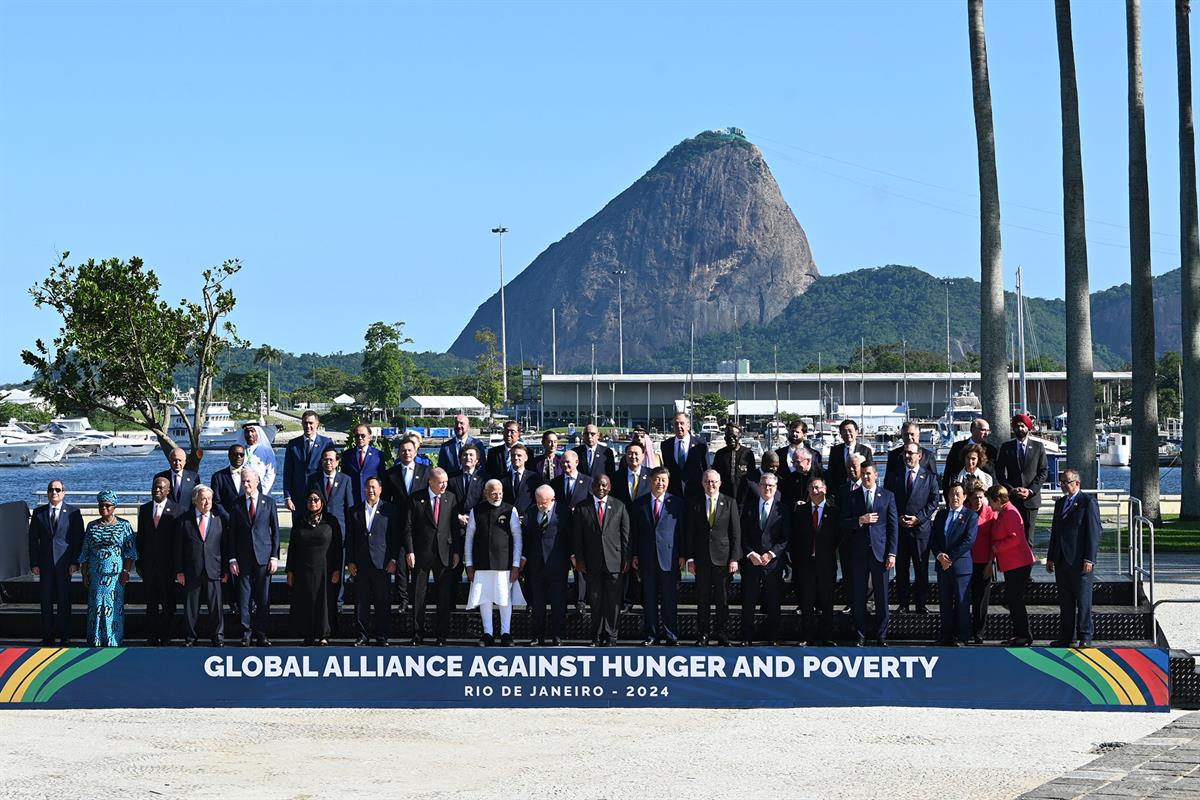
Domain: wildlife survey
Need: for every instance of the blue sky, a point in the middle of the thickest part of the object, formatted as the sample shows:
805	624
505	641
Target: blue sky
355	155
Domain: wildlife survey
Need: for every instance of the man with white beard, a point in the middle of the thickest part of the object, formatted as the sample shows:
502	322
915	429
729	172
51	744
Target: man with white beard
492	552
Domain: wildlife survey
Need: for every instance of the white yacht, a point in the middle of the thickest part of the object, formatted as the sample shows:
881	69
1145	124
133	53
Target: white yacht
963	409
220	429
89	441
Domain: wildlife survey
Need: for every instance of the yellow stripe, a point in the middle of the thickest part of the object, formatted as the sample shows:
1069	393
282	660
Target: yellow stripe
1089	655
22	676
1111	667
19	696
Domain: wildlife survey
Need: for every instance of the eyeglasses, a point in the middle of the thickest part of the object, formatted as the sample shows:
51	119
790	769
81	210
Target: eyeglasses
53	490
362	436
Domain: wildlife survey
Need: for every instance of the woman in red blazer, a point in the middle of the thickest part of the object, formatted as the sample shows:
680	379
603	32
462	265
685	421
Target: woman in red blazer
1007	534
983	573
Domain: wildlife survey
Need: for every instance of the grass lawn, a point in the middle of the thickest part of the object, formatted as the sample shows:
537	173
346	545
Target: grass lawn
1177	536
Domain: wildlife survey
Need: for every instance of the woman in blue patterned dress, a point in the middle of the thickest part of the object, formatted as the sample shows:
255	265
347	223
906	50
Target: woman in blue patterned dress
108	555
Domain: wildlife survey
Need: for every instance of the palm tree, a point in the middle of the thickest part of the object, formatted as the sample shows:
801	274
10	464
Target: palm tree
1081	398
1189	254
993	359
1143	480
268	355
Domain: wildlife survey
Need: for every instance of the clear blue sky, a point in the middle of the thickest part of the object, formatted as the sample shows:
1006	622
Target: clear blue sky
355	155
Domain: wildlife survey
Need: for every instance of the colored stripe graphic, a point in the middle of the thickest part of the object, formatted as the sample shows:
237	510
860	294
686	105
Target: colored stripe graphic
37	675
1056	669
21	676
1114	673
8	656
48	671
93	662
1153	676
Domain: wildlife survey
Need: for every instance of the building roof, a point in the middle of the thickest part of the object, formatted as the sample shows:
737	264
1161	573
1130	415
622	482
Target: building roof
441	401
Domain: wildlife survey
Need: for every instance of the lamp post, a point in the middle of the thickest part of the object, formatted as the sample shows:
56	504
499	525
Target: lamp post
620	273
500	230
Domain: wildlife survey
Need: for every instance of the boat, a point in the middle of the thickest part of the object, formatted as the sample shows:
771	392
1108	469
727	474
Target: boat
1117	450
776	434
220	428
710	430
88	441
962	410
20	447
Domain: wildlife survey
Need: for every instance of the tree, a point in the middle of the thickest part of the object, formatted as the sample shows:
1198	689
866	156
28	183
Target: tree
992	338
487	371
1167	384
385	365
268	355
710	404
1081	402
1189	255
119	344
242	389
1143	479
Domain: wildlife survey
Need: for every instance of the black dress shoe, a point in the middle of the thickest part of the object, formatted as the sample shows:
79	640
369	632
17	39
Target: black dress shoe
441	641
802	643
487	640
164	642
903	610
607	643
47	642
773	643
506	640
64	642
1015	642
360	642
650	641
860	642
245	641
977	639
671	643
922	610
381	642
745	643
264	641
829	643
218	642
626	608
535	642
722	641
595	643
418	640
703	641
1086	643
1061	643
189	643
881	643
556	642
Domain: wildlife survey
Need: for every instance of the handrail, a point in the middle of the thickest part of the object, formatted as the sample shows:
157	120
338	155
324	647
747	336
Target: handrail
1154	610
1140	571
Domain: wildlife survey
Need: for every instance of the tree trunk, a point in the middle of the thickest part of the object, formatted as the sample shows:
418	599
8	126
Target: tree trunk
1081	399
993	365
1143	478
1189	254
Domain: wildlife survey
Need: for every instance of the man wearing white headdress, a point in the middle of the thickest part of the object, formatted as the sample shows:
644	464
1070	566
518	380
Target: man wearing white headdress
492	553
259	455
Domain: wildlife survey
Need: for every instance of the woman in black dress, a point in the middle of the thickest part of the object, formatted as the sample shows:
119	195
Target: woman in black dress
313	564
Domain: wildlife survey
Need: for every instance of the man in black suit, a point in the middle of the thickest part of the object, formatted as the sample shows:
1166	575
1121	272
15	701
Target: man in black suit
182	480
520	482
631	482
156	548
468	484
338	490
793	482
255	557
816	534
594	457
870	522
914	485
766	525
848	487
226	483
839	457
715	544
798	440
450	453
55	540
548	465
403	481
572	487
1021	468
202	546
372	552
734	462
433	543
980	428
686	458
499	459
1074	547
603	547
546	543
910	433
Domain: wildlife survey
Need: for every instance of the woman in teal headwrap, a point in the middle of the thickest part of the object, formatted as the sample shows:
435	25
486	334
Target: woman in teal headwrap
108	555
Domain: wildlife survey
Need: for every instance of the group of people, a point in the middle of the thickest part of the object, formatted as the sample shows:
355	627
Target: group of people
627	528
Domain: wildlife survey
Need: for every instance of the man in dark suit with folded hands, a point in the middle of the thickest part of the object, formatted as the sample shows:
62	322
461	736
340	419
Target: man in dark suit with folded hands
433	541
202	543
715	533
1021	468
372	551
603	547
255	557
182	480
659	541
156	560
914	484
954	532
870	522
766	523
546	545
816	535
1074	548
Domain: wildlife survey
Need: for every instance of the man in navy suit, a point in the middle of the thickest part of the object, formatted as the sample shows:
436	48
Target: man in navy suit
338	490
798	440
871	523
766	525
632	481
468	484
406	479
302	460
954	532
686	457
520	482
182	480
372	553
497	461
571	488
546	545
603	548
659	547
914	485
255	557
837	470
226	483
55	539
450	453
1021	467
595	458
1074	548
816	532
715	531
156	559
202	544
361	461
433	545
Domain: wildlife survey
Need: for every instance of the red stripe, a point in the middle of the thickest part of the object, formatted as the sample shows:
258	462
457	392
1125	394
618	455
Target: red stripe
10	654
1151	674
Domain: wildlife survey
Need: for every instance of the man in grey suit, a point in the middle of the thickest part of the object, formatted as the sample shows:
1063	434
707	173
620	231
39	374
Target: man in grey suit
1074	548
1021	468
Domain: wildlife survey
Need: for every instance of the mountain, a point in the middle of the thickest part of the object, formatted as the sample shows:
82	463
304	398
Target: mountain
705	236
1110	316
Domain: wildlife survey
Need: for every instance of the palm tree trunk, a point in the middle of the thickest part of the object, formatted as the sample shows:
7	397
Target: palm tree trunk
993	364
1081	398
1189	253
1143	479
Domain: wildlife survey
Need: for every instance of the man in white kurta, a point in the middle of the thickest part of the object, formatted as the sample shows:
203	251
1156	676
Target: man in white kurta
492	553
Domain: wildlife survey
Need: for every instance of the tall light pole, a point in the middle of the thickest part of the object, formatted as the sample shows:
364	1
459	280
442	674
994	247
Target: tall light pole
620	273
500	230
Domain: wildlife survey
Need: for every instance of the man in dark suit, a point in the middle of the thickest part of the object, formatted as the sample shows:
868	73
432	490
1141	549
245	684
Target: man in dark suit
433	544
686	457
766	525
499	459
372	553
156	565
202	545
468	483
548	465
406	479
520	482
226	483
302	460
546	544
572	487
659	543
1074	548
630	482
594	457
793	482
602	546
910	433
450	453
915	488
255	557
870	522
1021	468
182	480
748	491
954	531
338	491
980	428
852	484
361	461
734	462
55	540
816	529
715	534
798	440
838	469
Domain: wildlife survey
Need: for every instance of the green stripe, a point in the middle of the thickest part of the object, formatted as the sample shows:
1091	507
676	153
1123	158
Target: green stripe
53	669
1090	672
78	670
1060	671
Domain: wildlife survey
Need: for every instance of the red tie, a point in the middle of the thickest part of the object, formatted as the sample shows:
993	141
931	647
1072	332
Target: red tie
657	509
203	527
328	488
910	480
436	507
816	525
362	458
157	516
253	508
600	513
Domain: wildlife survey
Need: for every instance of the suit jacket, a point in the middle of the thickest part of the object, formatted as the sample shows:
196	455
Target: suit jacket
298	470
255	542
921	502
427	539
1010	474
550	549
187	482
393	484
603	549
620	486
520	495
374	548
881	537
665	542
198	559
580	492
835	470
957	542
539	466
470	494
685	477
785	457
794	485
828	534
156	545
773	536
497	462
339	501
1075	536
448	458
720	542
735	464
226	492
604	460
372	465
895	461
58	546
954	461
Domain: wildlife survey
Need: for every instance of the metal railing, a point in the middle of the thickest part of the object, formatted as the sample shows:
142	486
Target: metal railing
1141	568
1154	611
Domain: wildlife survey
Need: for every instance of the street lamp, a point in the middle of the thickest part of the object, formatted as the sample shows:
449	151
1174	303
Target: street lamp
500	230
620	273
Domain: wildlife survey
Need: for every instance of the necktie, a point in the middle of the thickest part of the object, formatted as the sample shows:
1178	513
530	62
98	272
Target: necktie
157	515
633	485
1070	501
203	527
570	488
408	480
952	521
679	452
175	490
1021	455
253	508
53	519
308	447
712	511
816	527
762	515
846	455
436	507
870	499
362	458
544	521
591	458
600	512
549	467
466	480
657	509
328	488
910	481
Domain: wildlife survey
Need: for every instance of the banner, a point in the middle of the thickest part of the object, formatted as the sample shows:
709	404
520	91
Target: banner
1085	679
